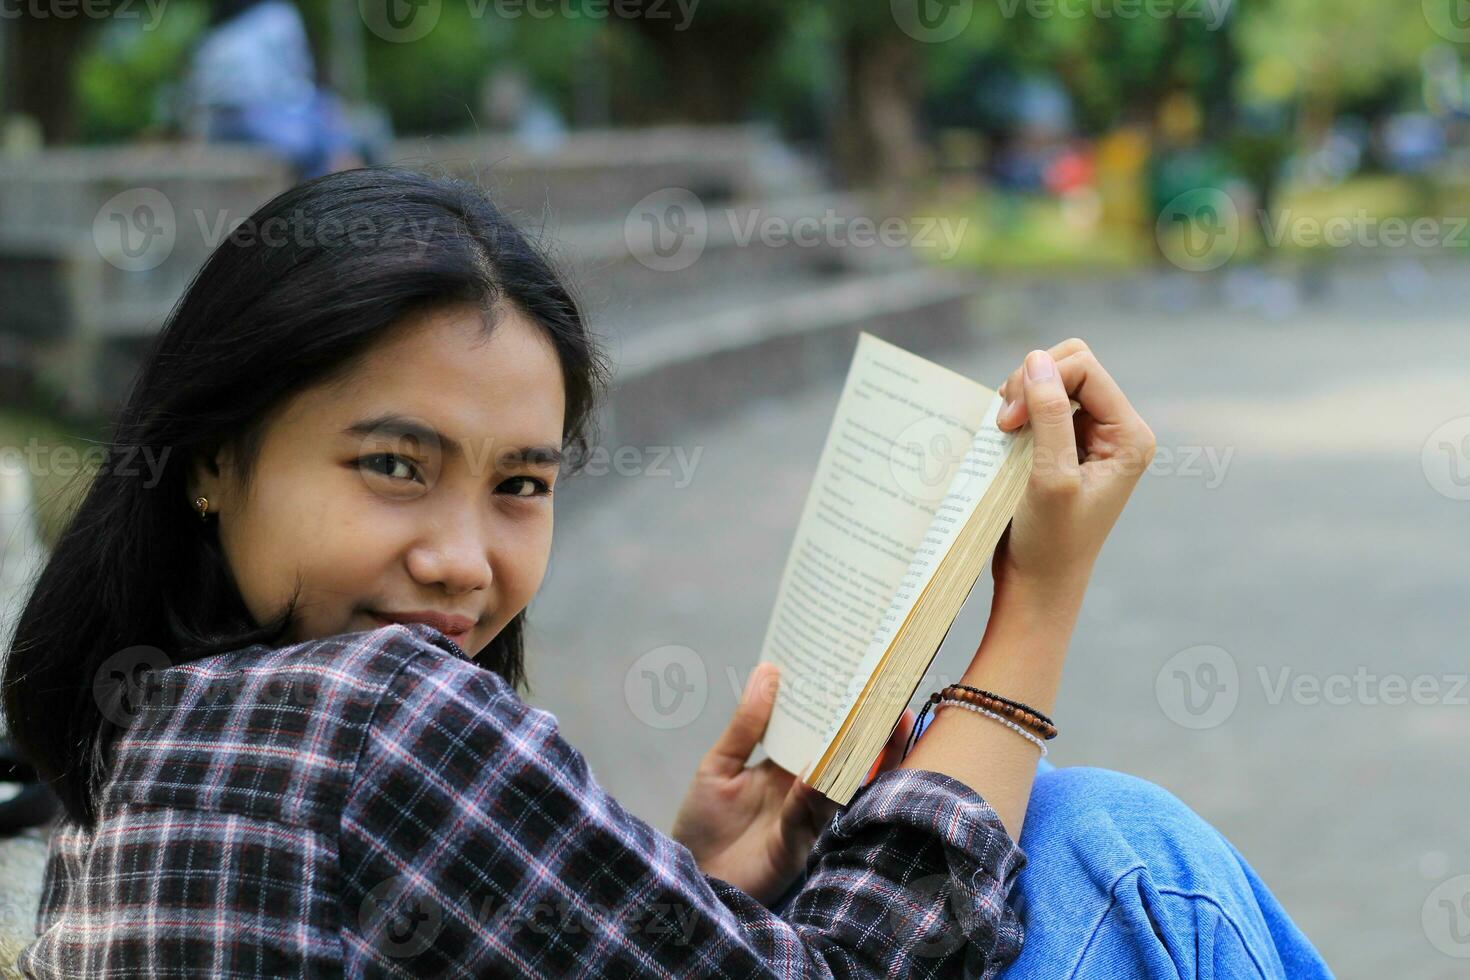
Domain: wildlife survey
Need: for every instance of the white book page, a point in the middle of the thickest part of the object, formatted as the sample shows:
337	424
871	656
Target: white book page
901	433
982	461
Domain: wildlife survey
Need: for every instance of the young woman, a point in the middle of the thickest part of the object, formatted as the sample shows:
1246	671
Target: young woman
275	684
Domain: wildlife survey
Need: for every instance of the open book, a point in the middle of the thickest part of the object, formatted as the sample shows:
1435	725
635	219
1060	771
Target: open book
913	490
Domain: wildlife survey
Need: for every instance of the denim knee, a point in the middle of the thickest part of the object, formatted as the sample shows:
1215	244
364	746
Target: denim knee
1123	879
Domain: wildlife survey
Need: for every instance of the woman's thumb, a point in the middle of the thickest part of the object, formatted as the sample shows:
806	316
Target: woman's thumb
1054	465
751	716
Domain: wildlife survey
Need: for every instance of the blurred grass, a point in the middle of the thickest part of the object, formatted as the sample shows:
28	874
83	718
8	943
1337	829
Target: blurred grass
1042	233
1005	230
1379	195
1380	211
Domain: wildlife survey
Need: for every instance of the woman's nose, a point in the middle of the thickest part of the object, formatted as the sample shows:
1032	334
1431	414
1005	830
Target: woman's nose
456	559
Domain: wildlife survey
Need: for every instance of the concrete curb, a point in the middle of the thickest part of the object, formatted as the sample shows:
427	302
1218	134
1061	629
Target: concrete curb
670	379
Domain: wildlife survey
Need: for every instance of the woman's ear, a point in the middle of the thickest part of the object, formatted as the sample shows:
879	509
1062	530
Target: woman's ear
210	473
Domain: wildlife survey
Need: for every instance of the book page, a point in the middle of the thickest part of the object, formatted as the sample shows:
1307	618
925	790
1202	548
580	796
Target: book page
987	450
901	432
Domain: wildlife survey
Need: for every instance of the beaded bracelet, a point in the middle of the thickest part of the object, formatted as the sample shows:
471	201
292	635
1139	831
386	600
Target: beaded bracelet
1034	721
1017	705
971	706
1037	725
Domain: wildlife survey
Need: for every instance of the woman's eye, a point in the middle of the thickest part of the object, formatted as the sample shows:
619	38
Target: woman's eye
527	486
389	465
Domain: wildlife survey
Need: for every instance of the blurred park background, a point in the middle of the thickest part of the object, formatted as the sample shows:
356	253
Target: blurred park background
1256	213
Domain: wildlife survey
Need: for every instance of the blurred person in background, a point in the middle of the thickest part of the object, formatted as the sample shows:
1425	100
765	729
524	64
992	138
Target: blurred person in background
252	80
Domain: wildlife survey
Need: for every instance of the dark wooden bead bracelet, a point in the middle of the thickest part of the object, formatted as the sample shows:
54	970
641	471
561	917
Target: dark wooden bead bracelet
1028	718
1022	714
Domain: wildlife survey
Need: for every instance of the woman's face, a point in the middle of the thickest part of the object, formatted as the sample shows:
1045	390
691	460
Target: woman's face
376	518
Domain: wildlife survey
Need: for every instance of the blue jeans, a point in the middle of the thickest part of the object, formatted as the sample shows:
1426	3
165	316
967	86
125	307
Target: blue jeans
1122	880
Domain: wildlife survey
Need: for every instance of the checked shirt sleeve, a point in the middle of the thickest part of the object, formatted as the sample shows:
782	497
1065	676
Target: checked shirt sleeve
475	841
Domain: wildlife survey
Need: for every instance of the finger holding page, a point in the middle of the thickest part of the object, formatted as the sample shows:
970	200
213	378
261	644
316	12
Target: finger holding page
1089	382
1010	390
1055	462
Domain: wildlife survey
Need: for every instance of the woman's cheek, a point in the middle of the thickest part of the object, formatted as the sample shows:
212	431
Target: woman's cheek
530	555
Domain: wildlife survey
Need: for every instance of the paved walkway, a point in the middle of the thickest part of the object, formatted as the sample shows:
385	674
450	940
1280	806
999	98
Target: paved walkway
1291	534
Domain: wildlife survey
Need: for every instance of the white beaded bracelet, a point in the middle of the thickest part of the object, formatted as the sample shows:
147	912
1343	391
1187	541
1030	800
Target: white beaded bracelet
996	717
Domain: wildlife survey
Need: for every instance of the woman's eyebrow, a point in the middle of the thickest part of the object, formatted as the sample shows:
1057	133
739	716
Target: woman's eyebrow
398	426
532	456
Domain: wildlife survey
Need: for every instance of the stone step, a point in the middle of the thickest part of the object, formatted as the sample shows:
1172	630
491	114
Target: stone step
603	173
671	376
742	251
63	189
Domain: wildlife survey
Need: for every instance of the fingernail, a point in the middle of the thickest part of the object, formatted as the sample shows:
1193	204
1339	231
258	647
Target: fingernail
1005	406
1039	366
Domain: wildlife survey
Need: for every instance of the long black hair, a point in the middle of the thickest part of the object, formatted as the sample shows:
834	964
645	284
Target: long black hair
289	300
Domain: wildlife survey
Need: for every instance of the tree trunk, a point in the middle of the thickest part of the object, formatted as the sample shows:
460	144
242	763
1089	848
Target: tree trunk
711	65
877	140
39	64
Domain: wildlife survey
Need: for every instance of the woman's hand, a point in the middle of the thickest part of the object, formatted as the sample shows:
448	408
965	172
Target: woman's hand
754	827
1084	470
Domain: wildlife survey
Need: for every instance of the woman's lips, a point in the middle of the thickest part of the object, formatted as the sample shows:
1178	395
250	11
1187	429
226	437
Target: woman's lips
454	627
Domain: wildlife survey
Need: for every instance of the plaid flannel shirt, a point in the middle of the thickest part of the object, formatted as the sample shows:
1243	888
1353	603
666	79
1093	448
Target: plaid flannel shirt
376	804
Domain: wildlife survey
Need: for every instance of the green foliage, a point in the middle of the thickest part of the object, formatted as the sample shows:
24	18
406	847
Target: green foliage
1350	48
579	53
125	79
434	84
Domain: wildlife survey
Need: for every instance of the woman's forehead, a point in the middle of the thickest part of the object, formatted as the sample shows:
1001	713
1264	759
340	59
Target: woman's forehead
446	372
